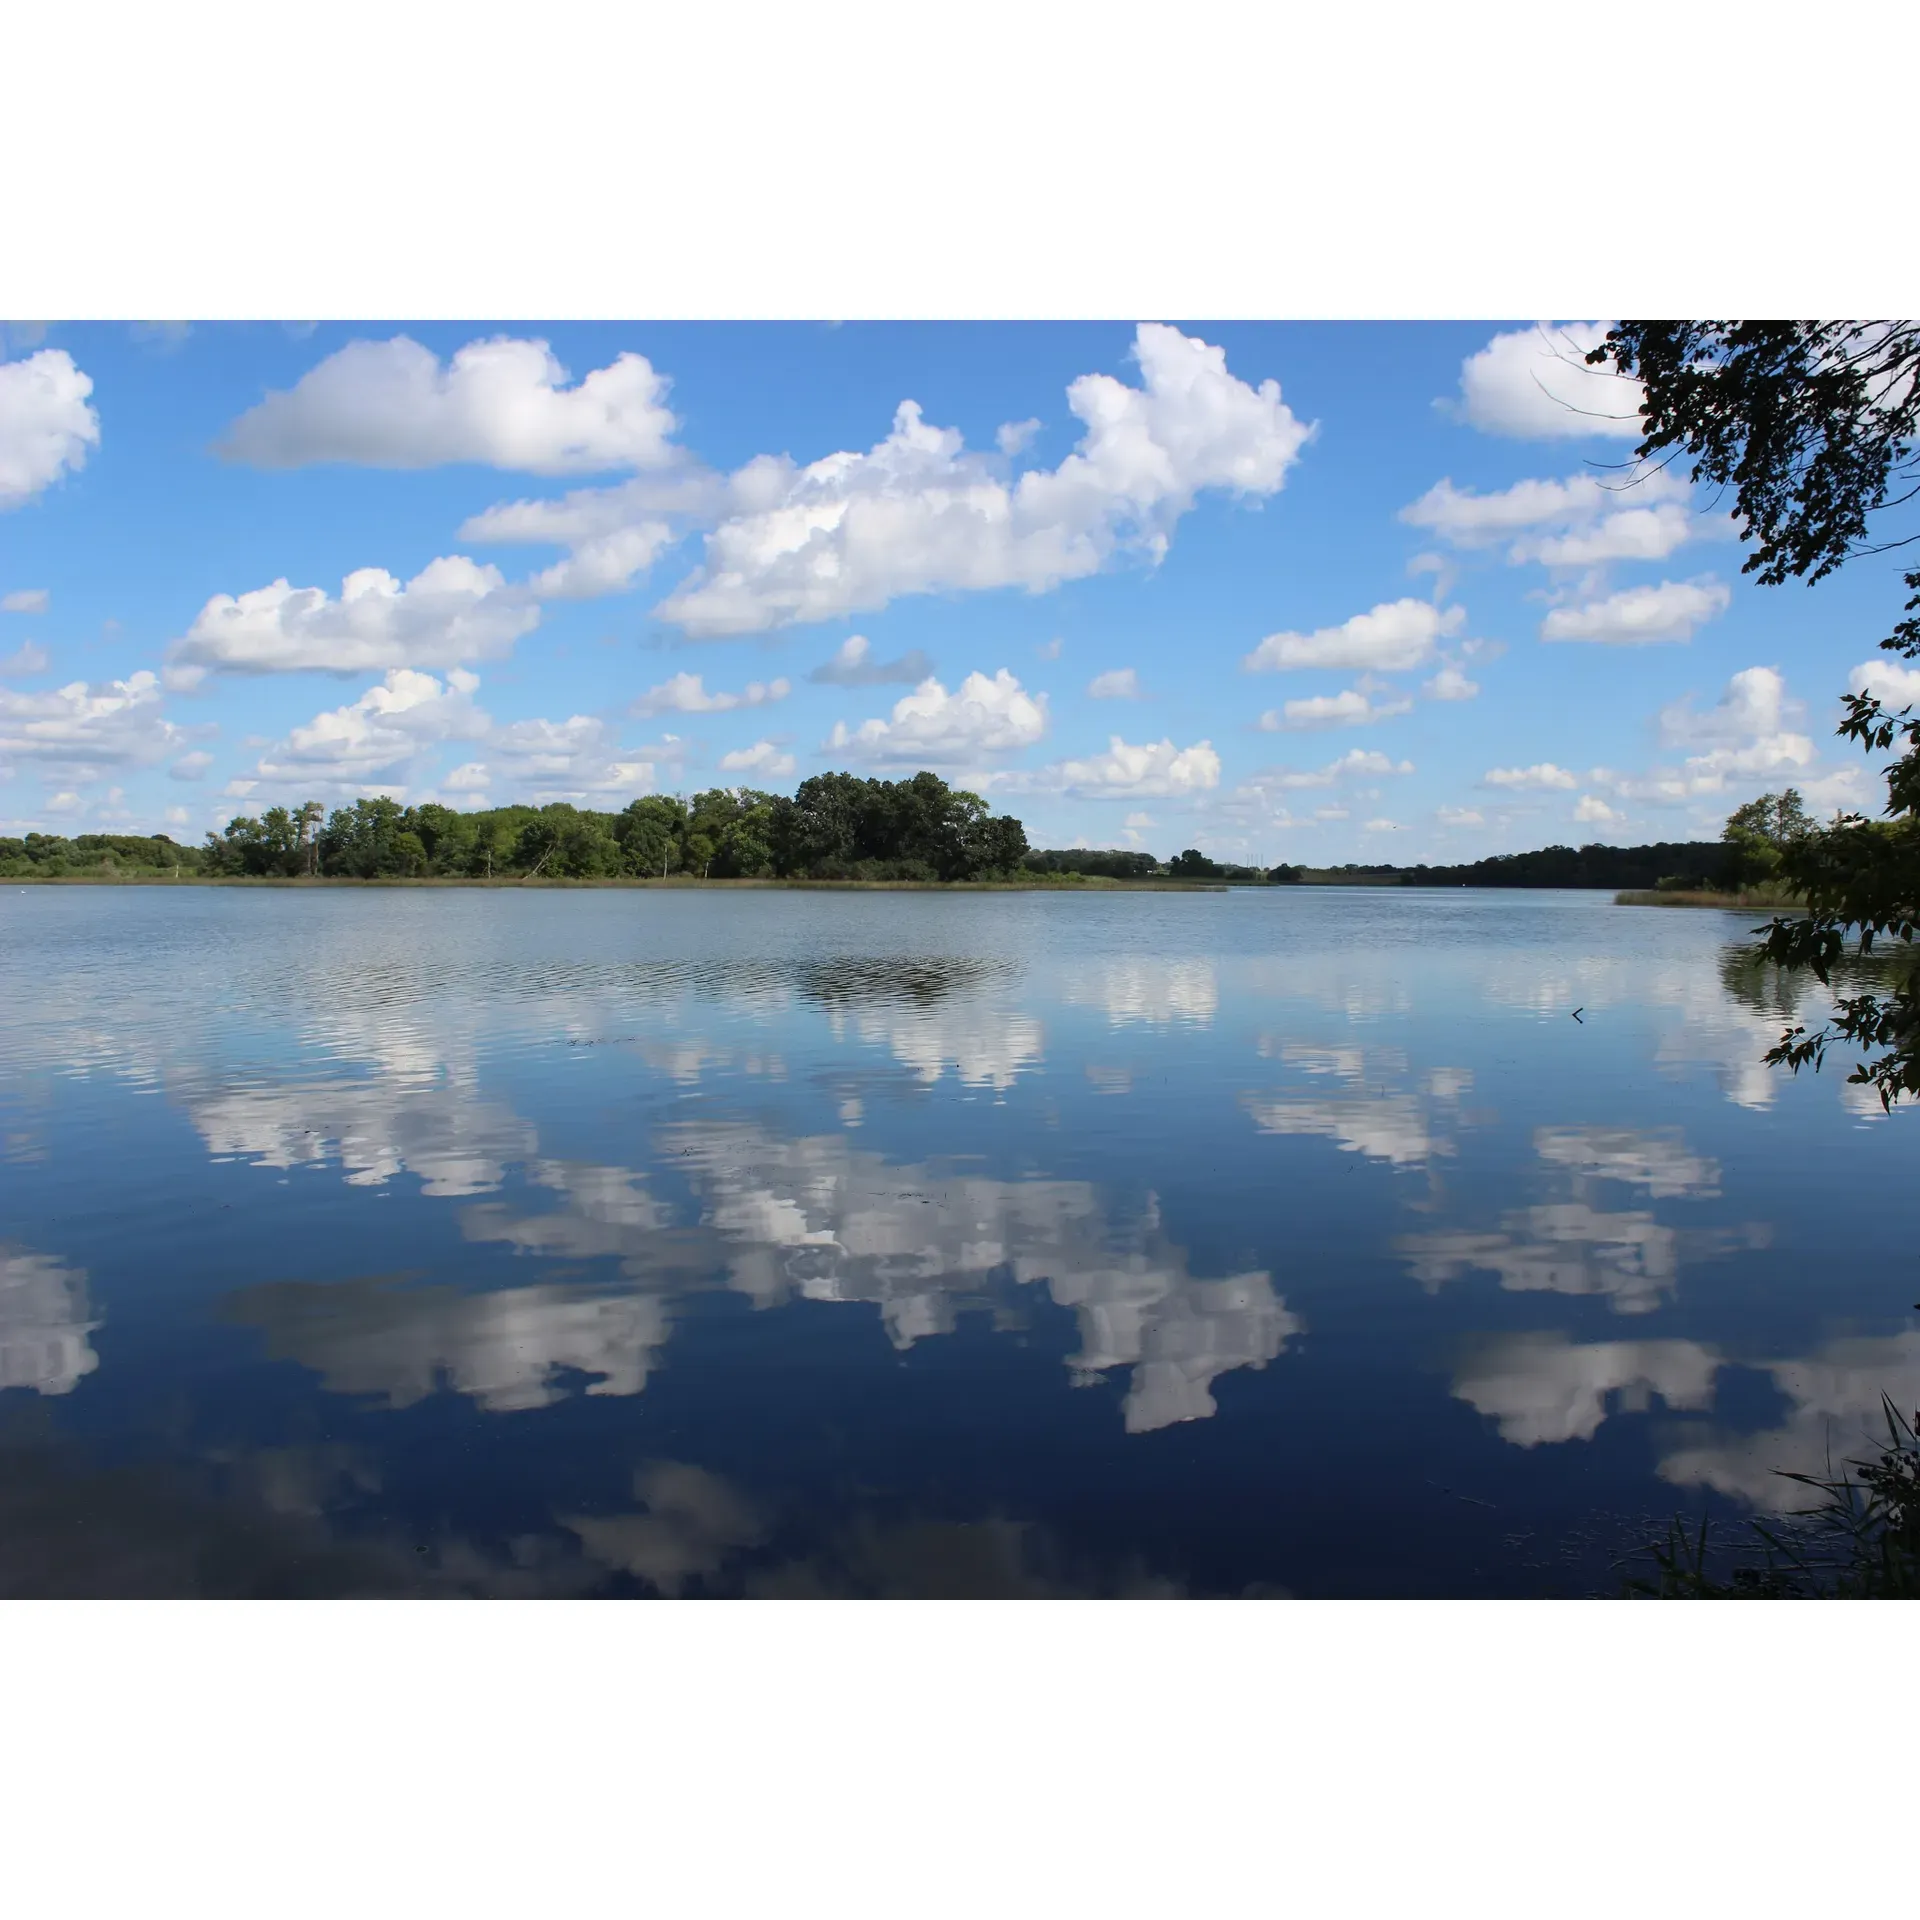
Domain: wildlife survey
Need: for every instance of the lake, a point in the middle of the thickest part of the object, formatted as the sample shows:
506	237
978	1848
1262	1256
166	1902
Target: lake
701	1243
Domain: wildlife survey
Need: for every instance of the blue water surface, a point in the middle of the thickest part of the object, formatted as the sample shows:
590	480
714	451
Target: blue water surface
658	1243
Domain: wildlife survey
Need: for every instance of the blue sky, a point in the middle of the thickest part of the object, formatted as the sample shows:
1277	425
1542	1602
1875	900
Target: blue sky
1301	591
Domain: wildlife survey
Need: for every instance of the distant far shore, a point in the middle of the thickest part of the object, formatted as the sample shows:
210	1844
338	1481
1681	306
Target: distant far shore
313	883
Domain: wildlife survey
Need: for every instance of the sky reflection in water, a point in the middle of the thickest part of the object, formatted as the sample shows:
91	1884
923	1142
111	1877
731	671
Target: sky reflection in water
697	1243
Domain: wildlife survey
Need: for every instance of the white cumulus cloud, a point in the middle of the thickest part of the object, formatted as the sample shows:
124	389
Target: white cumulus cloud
1451	684
1121	683
1534	384
684	693
1352	707
1151	770
1592	810
499	403
25	600
46	425
1389	639
451	611
1641	616
918	513
1892	686
1534	779
935	727
763	759
77	730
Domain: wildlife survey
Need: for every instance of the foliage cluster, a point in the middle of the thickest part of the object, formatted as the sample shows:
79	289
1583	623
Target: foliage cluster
835	827
51	856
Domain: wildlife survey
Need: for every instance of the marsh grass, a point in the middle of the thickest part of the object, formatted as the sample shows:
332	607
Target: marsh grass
1749	899
1859	1541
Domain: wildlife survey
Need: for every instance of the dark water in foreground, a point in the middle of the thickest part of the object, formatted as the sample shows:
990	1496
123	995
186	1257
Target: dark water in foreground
817	1243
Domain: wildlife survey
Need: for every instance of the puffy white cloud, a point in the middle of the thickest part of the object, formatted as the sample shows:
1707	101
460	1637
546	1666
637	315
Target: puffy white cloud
1746	736
498	403
853	665
190	766
1460	817
1892	686
26	600
1450	683
1594	811
1352	707
374	739
935	727
763	759
1357	763
452	611
1534	779
919	514
1121	683
1534	384
684	693
78	729
1014	436
46	425
384	741
28	657
1641	616
1151	770
1389	639
1581	521
611	533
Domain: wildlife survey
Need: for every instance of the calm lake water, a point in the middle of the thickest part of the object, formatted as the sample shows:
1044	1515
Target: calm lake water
627	1243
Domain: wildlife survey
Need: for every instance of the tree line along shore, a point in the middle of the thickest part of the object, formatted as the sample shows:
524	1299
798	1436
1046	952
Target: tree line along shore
836	829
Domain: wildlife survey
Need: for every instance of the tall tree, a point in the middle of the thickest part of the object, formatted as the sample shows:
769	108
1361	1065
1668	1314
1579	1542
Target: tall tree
1812	425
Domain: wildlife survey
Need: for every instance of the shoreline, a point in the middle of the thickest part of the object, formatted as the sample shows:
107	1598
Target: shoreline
313	883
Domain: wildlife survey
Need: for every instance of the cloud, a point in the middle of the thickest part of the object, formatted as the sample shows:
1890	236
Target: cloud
1451	684
1596	812
450	612
934	727
1121	683
685	694
1577	522
383	741
762	758
28	657
1350	708
853	665
1156	769
498	403
1015	436
190	766
26	600
1357	763
1534	384
1050	649
45	1323
46	425
917	513
1641	616
1892	686
611	533
1382	826
1460	817
1746	736
1532	779
1390	639
78	729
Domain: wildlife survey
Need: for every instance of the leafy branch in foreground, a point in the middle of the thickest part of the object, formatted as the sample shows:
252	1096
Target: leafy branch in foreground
1860	1542
1812	424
